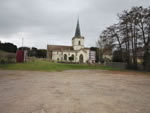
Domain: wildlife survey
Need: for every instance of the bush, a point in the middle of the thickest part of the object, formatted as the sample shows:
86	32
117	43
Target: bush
11	58
2	61
6	57
117	57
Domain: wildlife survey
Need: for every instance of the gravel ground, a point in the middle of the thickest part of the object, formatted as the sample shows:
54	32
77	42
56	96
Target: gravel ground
75	91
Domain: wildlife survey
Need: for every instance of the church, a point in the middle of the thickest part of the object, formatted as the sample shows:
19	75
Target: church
76	53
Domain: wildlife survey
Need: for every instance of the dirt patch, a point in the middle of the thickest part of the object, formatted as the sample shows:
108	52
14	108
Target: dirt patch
75	91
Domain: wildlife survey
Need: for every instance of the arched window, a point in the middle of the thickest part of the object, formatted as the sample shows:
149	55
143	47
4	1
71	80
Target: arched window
65	57
79	43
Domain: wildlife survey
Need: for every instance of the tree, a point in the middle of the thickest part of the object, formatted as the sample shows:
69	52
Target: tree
128	35
117	56
8	47
41	53
33	52
105	44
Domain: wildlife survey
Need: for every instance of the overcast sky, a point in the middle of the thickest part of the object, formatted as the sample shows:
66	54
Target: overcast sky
42	22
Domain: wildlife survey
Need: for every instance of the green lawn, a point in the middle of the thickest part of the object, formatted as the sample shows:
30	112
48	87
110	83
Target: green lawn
40	65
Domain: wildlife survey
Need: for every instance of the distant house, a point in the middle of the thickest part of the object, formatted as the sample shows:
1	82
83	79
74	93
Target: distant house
76	53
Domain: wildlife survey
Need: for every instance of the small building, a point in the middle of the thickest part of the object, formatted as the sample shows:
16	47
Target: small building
76	53
20	56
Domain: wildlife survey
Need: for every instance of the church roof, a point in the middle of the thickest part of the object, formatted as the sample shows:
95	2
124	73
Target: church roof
58	47
77	32
64	48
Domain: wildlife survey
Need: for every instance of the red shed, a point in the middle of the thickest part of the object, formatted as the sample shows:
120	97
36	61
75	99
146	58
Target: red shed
20	56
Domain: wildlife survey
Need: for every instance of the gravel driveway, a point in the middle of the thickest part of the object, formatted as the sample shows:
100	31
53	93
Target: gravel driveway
75	91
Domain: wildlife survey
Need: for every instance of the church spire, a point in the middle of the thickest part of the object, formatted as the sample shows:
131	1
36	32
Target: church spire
77	32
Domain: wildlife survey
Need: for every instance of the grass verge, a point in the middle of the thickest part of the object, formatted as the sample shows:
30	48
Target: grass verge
40	65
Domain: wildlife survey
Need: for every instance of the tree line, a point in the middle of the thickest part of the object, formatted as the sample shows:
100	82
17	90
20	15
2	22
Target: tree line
129	38
32	52
8	47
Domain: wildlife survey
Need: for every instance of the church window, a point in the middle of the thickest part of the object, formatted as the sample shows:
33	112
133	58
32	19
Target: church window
79	43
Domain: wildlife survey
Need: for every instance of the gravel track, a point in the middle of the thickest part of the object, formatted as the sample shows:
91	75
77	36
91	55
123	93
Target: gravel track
74	91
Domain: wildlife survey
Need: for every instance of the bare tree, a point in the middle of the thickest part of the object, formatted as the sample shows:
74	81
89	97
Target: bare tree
129	34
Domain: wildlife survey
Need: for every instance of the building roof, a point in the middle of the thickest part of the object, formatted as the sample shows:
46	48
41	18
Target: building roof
77	32
63	48
58	47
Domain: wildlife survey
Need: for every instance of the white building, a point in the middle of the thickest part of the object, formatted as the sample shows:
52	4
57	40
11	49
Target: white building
75	53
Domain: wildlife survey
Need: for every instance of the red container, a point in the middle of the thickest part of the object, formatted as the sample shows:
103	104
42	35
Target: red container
20	56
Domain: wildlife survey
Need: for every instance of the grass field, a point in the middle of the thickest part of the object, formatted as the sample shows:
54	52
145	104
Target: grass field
40	65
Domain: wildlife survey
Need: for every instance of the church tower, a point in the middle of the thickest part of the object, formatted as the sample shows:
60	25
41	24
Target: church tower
78	40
